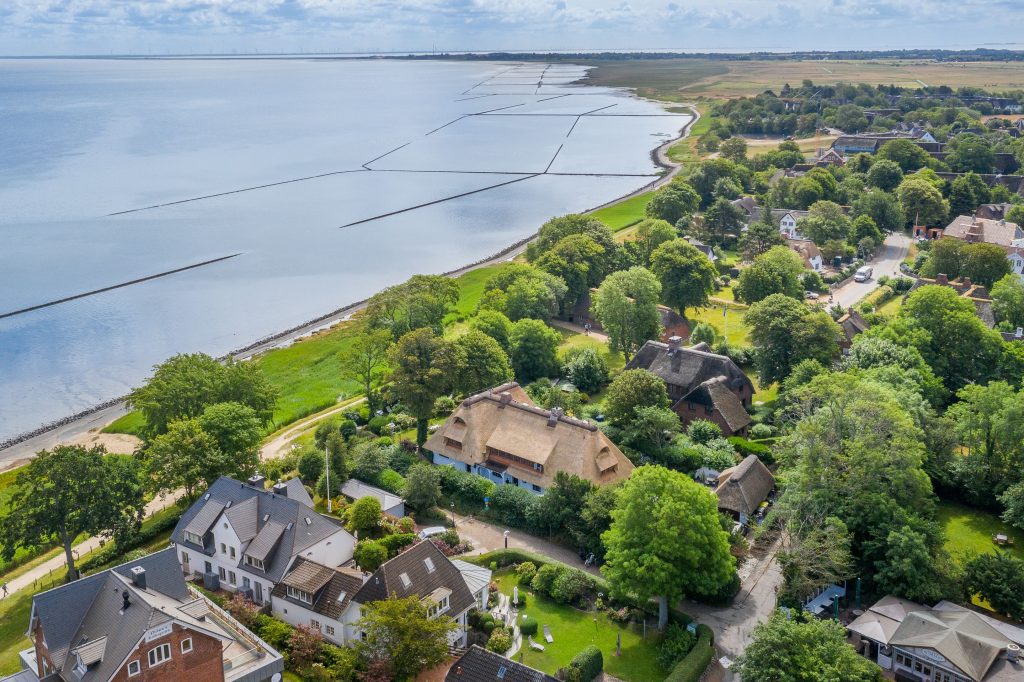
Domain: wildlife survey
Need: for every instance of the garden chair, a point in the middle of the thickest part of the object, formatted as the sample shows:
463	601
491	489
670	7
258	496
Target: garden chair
547	635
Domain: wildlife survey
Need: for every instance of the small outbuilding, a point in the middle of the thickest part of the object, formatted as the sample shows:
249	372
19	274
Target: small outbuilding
389	502
742	488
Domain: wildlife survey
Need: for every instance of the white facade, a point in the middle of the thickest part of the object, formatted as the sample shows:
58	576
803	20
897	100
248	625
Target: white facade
495	477
787	226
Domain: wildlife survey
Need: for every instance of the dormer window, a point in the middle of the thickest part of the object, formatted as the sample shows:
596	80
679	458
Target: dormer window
193	538
301	595
437	602
254	562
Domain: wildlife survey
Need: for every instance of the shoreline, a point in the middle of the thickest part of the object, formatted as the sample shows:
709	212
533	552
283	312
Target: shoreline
21	447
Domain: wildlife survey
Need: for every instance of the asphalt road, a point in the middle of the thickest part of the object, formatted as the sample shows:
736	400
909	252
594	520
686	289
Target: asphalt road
887	262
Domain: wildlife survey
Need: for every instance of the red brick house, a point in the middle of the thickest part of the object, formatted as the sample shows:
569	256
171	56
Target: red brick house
140	622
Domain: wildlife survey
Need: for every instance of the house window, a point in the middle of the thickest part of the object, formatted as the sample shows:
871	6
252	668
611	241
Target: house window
329	629
134	668
315	624
223	548
186	645
158	655
536	488
231	578
255	563
193	538
222	573
453	444
209	566
232	551
245	583
429	563
296	593
438	607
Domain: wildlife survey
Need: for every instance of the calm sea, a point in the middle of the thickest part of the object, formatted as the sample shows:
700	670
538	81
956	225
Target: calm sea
329	179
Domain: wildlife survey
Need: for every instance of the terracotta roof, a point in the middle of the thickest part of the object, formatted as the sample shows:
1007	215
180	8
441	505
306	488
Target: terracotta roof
480	665
687	368
505	419
420	570
332	589
744	487
715	394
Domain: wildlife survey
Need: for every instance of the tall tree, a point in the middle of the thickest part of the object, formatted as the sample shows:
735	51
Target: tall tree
946	257
921	202
759	237
722	221
481	363
496	325
402	632
187	457
558	510
665	541
534	350
1008	300
521	291
423	368
626	305
236	430
969	152
776	271
785	332
908	155
633	389
422	301
648	235
68	491
999	579
798	650
673	201
577	260
687	276
423	486
825	221
882	207
366	361
986	264
886	175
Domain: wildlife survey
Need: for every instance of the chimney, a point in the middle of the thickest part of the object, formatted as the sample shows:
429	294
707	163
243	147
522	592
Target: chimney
556	413
257	481
674	343
504	398
967	282
458	670
139	577
280	489
941	278
126	601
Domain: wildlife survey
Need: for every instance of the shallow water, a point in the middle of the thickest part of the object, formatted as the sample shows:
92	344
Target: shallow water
331	179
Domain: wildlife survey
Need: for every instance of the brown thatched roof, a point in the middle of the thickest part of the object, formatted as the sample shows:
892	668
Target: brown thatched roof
744	487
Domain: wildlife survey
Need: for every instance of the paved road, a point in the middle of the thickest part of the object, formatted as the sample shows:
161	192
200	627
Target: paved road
887	262
734	624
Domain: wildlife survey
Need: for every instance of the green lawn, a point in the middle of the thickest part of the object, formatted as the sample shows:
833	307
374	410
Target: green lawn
970	530
731	326
131	423
574	630
14	612
308	372
625	213
576	340
685	151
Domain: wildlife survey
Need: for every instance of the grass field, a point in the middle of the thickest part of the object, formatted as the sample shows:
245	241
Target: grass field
970	530
625	213
808	145
574	340
732	326
573	630
685	151
308	372
684	80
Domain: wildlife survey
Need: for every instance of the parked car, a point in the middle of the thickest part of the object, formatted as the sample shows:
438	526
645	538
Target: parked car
863	274
812	295
431	532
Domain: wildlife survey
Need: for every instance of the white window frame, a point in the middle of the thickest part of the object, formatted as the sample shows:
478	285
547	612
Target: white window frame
301	595
223	548
193	538
138	668
232	578
188	641
231	550
160	648
255	563
329	629
315	624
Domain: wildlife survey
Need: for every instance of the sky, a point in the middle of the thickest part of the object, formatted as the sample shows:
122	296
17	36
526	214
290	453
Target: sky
103	27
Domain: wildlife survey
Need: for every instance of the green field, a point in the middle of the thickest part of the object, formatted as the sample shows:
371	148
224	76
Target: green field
733	326
574	630
625	213
685	150
663	79
970	531
572	339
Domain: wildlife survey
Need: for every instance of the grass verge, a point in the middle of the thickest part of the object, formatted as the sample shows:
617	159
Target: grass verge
625	213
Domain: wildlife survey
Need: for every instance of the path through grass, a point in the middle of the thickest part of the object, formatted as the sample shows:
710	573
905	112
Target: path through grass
573	630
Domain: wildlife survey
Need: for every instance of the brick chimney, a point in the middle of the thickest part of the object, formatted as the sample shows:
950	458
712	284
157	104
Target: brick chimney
967	282
553	417
941	278
504	398
674	343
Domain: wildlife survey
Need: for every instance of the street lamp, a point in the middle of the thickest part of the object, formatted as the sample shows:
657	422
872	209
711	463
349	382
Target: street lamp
453	515
506	538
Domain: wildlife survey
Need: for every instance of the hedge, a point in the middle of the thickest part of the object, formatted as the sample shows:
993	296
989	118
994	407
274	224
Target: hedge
528	628
509	557
748	447
588	662
696	662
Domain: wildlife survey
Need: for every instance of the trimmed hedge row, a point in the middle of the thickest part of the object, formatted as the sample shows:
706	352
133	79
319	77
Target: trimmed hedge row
586	665
696	662
510	557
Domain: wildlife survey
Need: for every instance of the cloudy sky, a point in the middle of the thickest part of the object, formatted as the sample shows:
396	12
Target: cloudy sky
34	27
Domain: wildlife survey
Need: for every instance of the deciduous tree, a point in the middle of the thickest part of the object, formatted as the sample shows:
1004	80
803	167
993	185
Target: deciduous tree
423	368
187	457
633	389
403	632
687	276
422	486
775	272
481	363
921	202
999	579
786	332
626	305
366	360
534	350
422	301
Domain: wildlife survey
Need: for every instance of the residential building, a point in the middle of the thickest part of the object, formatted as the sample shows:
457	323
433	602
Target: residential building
869	143
330	600
480	665
945	643
978	295
701	384
852	324
810	254
242	537
501	435
703	248
785	218
140	621
390	504
741	489
993	211
1009	236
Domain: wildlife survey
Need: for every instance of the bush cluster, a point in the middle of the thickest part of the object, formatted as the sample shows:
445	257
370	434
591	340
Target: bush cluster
677	642
692	667
586	665
564	584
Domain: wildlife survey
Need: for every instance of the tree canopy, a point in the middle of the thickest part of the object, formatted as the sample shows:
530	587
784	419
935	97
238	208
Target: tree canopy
776	271
626	305
785	332
422	301
687	276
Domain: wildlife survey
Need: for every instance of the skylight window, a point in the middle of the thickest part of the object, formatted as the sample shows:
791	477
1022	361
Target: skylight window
405	580
429	563
266	517
501	672
341	597
309	521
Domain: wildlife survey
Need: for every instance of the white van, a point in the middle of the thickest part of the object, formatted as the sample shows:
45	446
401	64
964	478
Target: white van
863	274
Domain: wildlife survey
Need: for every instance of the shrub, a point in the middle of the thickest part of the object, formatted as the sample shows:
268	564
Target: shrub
546	576
759	431
528	628
692	667
586	665
488	626
703	332
393	543
678	642
703	431
464	486
526	571
500	641
444	406
451	537
746	447
379	424
276	633
572	587
521	604
406	525
370	554
392	481
512	504
347	428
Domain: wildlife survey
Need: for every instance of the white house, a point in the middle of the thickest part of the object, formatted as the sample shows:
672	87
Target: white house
330	600
787	224
249	537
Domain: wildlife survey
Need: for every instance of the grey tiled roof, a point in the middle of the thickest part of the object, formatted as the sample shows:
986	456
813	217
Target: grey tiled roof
686	368
329	599
297	492
386	581
244	518
480	665
288	535
205	518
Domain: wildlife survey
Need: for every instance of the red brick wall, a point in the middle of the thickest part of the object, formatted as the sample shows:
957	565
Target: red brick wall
687	415
203	664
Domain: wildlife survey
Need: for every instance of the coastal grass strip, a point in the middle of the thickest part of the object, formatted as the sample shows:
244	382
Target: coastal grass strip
117	286
439	201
